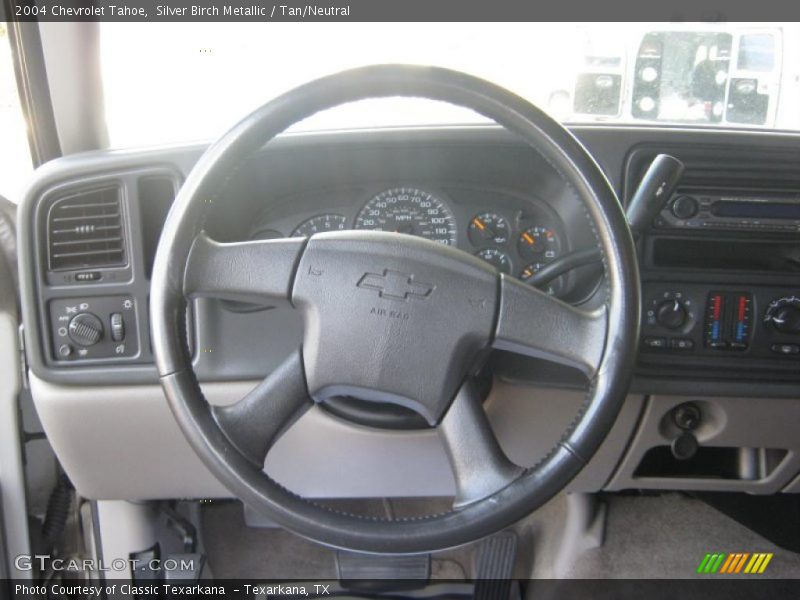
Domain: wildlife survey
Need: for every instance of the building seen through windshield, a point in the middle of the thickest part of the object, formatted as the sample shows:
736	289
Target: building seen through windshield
688	73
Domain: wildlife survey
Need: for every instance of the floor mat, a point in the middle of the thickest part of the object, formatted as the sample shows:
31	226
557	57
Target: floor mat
668	536
646	537
237	551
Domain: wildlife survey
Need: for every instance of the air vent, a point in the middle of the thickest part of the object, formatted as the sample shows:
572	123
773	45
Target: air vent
85	231
724	167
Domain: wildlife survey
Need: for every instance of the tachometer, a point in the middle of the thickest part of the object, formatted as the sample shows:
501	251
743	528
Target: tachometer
412	211
328	222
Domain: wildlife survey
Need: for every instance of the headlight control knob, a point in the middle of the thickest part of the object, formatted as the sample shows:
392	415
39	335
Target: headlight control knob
85	329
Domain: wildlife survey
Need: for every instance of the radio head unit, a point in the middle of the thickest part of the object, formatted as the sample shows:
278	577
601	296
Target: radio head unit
732	210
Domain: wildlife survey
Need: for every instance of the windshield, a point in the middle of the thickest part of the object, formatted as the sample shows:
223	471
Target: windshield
194	81
15	157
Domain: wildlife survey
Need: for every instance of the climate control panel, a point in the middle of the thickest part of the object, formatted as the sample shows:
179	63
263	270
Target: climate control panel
83	329
695	320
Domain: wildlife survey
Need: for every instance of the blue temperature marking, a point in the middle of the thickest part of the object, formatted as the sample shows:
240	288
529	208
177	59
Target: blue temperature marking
715	330
740	331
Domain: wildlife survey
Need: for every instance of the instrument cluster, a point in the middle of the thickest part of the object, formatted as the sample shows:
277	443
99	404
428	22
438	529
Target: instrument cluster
517	236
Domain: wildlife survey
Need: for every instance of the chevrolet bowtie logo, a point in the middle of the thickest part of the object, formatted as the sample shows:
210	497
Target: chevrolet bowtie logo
395	285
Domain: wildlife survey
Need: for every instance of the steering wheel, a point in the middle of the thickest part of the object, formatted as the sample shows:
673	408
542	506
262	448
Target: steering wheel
378	306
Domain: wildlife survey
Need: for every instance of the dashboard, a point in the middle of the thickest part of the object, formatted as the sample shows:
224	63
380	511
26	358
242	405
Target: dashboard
720	320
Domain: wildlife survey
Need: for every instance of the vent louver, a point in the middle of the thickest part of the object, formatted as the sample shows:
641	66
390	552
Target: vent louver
723	167
85	230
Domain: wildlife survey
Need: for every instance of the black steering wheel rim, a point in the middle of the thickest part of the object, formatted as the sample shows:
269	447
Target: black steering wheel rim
526	491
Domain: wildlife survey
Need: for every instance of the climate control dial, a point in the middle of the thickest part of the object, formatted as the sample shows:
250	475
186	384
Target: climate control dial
784	315
671	314
671	310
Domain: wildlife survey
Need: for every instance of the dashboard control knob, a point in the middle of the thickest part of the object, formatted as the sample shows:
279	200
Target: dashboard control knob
117	327
671	314
85	329
684	207
686	416
786	318
685	446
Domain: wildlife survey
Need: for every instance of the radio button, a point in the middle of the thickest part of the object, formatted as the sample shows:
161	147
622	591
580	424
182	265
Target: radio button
787	349
684	207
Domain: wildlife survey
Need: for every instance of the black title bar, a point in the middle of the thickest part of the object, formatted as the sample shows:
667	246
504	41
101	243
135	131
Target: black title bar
401	10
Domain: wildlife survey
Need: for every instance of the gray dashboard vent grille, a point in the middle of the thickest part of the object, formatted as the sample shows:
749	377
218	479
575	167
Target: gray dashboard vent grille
723	167
85	230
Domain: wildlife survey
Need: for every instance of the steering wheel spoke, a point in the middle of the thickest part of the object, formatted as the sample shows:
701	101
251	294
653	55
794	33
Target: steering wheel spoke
479	464
256	421
251	271
533	323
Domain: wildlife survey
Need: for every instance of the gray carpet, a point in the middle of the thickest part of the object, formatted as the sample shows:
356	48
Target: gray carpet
237	551
667	537
645	537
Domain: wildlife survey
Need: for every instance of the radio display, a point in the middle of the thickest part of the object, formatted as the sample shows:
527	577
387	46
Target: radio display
755	210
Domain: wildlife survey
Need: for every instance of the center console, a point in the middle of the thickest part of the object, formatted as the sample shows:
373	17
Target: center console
717	266
719	351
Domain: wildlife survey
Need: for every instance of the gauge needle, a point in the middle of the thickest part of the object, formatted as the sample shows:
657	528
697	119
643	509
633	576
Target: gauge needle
527	237
482	226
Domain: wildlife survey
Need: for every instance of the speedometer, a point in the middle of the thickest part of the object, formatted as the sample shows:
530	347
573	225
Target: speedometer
412	211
